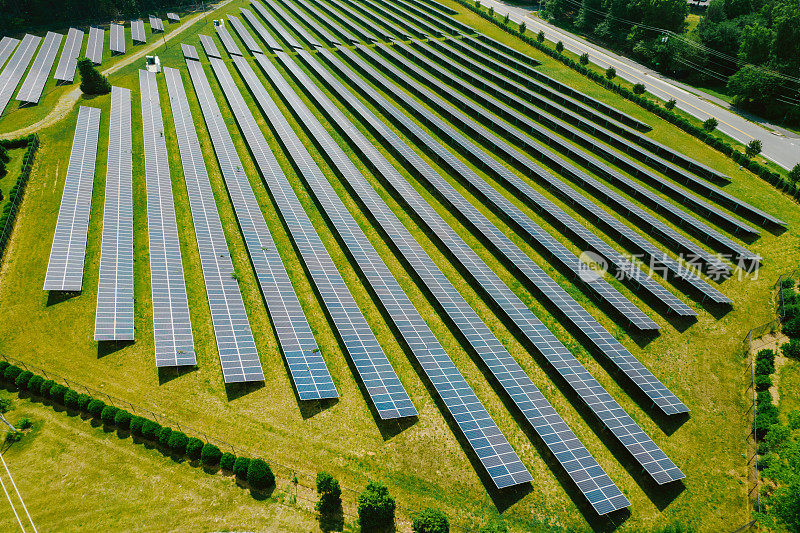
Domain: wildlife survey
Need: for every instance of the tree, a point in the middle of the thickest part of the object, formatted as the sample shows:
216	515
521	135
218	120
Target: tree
756	44
92	82
639	88
177	443
590	14
330	493
505	20
539	36
240	467
584	59
611	73
753	148
95	407
791	349
227	461
753	88
194	447
794	174
785	504
710	124
522	28
21	381
375	507
210	455
123	419
430	521
559	47
259	475
670	104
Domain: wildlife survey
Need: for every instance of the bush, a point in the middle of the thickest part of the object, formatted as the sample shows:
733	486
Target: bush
211	454
25	423
763	382
95	408
259	475
83	402
794	174
523	27
163	437
639	88
21	381
92	82
12	437
788	297
788	283
611	73
108	414
792	328
3	366
227	461
559	47
710	124
150	429
539	36
584	59
790	312
330	493
177	442
764	367
123	419
71	400
194	447
57	393
430	521
794	419
777	436
35	384
791	349
44	388
670	104
11	372
763	396
753	148
240	467
375	507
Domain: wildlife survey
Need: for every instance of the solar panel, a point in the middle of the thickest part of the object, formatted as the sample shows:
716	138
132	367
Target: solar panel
172	327
292	23
265	35
156	24
341	26
173	17
388	395
65	70
7	47
32	87
630	435
227	42
94	46
362	16
415	26
303	357
619	264
137	31
600	339
287	37
310	22
411	11
17	65
237	347
435	8
499	458
114	319
244	35
117	44
65	267
554	115
190	51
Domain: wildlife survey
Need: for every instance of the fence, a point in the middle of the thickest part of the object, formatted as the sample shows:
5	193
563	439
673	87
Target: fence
297	485
22	181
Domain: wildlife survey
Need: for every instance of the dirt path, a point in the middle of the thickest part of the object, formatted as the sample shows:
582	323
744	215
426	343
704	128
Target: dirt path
68	100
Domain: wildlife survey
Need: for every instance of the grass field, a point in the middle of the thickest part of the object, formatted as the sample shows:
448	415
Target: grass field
423	463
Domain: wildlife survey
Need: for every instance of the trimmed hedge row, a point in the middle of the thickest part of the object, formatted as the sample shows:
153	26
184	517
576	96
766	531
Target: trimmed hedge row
257	472
766	411
664	112
9	213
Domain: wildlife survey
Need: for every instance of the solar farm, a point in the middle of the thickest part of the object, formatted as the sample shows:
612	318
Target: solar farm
389	241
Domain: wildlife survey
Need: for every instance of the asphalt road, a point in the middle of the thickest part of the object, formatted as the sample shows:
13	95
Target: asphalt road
781	146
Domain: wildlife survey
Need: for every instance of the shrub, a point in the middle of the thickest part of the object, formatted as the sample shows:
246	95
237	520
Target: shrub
240	467
523	27
330	493
259	475
21	381
763	396
788	297
57	393
777	436
12	437
71	400
44	388
163	437
763	382
794	419
375	507
670	104
92	82
83	402
177	442
194	447
639	88
792	328
539	36
430	521
764	367
790	312
227	461
584	59
505	20
611	73
559	47
753	148
25	423
11	372
3	366
211	454
123	419
35	384
95	408
710	124
788	283
794	174
108	414
150	429
791	349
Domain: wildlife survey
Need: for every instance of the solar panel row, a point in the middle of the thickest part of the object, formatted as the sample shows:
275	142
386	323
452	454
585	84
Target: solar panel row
266	36
287	37
209	45
227	41
485	344
94	45
237	348
156	24
679	216
308	21
173	17
349	30
7	46
190	51
117	44
388	395
306	365
172	328
416	26
114	319
435	8
510	94
137	31
32	87
600	339
246	37
376	23
65	70
288	20
678	272
17	65
65	267
497	455
576	460
414	13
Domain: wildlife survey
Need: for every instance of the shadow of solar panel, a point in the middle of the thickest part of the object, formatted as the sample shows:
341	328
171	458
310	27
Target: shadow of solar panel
16	67
307	20
32	87
65	267
114	318
306	364
172	328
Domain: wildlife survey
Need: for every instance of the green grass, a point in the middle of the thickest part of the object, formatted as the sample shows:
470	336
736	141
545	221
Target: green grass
424	464
13	168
